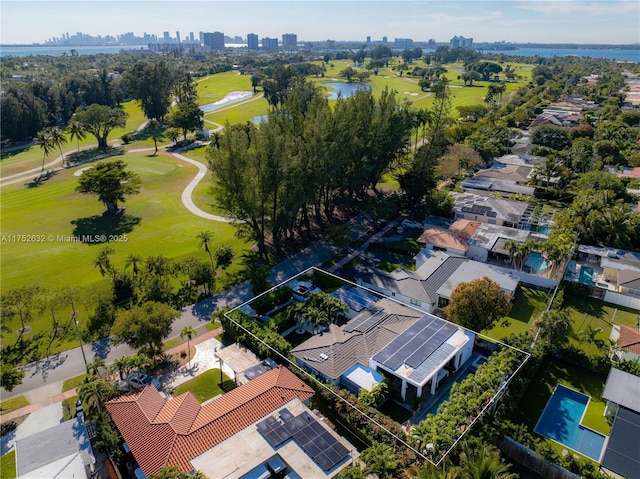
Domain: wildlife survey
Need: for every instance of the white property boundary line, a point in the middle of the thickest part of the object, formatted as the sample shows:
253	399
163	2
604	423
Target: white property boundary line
496	397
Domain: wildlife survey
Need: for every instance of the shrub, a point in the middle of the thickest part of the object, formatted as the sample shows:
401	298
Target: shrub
224	255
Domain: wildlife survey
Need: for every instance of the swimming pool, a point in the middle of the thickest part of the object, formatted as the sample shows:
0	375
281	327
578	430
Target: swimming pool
537	263
560	421
586	276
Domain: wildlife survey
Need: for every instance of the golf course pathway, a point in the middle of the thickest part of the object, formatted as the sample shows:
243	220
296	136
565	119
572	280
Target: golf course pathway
187	194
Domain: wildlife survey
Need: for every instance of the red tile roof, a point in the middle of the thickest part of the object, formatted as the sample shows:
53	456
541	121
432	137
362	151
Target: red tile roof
629	339
175	431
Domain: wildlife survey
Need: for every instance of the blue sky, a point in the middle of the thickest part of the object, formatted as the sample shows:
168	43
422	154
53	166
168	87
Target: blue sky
542	21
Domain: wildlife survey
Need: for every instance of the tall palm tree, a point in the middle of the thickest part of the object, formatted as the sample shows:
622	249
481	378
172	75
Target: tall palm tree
555	326
154	127
133	260
58	139
43	138
123	366
429	471
103	262
484	463
189	332
206	238
381	460
95	366
140	361
94	392
76	132
590	336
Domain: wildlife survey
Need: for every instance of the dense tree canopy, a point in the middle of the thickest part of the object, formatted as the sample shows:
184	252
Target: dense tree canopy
144	327
99	120
478	304
110	181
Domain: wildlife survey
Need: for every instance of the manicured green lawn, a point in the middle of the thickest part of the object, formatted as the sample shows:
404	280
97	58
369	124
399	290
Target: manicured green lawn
204	386
155	222
528	305
215	87
8	465
593	312
212	326
13	404
72	383
551	373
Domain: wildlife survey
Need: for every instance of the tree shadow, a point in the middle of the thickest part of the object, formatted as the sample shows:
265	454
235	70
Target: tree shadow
101	348
24	350
40	179
88	230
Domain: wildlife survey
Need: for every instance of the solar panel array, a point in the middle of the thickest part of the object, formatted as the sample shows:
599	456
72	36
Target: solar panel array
480	210
416	344
366	322
356	299
314	439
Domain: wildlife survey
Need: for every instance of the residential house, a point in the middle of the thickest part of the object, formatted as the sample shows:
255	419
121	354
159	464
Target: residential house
437	274
451	240
488	242
63	450
180	432
502	178
487	209
341	354
622	448
628	343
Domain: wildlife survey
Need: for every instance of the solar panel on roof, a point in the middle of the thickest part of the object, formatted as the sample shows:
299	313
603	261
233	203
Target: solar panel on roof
285	414
366	322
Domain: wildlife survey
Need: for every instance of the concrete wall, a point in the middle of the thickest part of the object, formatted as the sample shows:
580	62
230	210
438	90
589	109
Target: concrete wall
621	300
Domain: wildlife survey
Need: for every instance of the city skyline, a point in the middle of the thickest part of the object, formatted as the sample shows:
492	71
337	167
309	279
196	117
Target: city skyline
547	21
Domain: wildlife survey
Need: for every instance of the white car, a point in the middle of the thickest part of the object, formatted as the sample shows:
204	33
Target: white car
138	380
407	223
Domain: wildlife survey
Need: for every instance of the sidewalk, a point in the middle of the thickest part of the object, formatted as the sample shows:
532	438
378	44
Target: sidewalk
72	392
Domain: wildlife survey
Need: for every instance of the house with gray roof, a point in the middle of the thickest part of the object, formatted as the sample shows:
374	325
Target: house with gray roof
437	274
333	353
622	448
487	209
63	450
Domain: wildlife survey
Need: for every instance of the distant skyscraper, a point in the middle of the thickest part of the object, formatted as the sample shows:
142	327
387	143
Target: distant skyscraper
166	37
384	39
191	38
404	43
289	41
214	41
460	41
252	41
201	37
270	44
368	39
177	36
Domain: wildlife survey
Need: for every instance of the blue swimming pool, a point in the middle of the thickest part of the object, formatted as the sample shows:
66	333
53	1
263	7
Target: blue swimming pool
537	263
560	421
586	276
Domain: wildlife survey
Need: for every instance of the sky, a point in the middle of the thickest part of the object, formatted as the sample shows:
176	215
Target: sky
541	21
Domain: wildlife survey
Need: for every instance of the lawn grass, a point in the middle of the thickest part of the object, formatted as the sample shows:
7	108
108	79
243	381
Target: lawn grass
72	383
171	343
8	465
528	305
155	223
204	386
552	372
13	404
212	326
69	407
593	312
214	87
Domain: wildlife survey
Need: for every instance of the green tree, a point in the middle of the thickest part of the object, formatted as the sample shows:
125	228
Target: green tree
99	120
555	326
20	303
111	182
174	472
187	116
144	327
94	391
10	376
123	366
189	332
44	140
484	463
590	336
151	84
551	136
381	460
76	132
133	261
155	130
58	139
478	304
95	367
103	261
205	240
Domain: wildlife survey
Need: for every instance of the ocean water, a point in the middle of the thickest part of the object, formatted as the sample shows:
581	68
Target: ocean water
23	51
610	54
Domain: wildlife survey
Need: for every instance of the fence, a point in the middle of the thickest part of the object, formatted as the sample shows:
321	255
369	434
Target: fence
532	461
621	300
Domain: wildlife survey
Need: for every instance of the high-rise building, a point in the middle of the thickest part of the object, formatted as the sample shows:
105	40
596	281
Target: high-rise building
191	38
404	43
460	41
270	44
214	41
289	40
166	38
201	37
177	36
368	39
384	39
252	41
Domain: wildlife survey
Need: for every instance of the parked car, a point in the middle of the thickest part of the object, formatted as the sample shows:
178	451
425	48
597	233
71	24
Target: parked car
138	380
407	223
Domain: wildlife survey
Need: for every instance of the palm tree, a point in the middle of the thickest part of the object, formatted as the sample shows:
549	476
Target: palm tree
381	460
154	127
590	336
140	361
429	471
94	392
123	365
206	238
189	332
133	260
103	262
94	367
43	138
555	326
76	132
484	463
58	139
